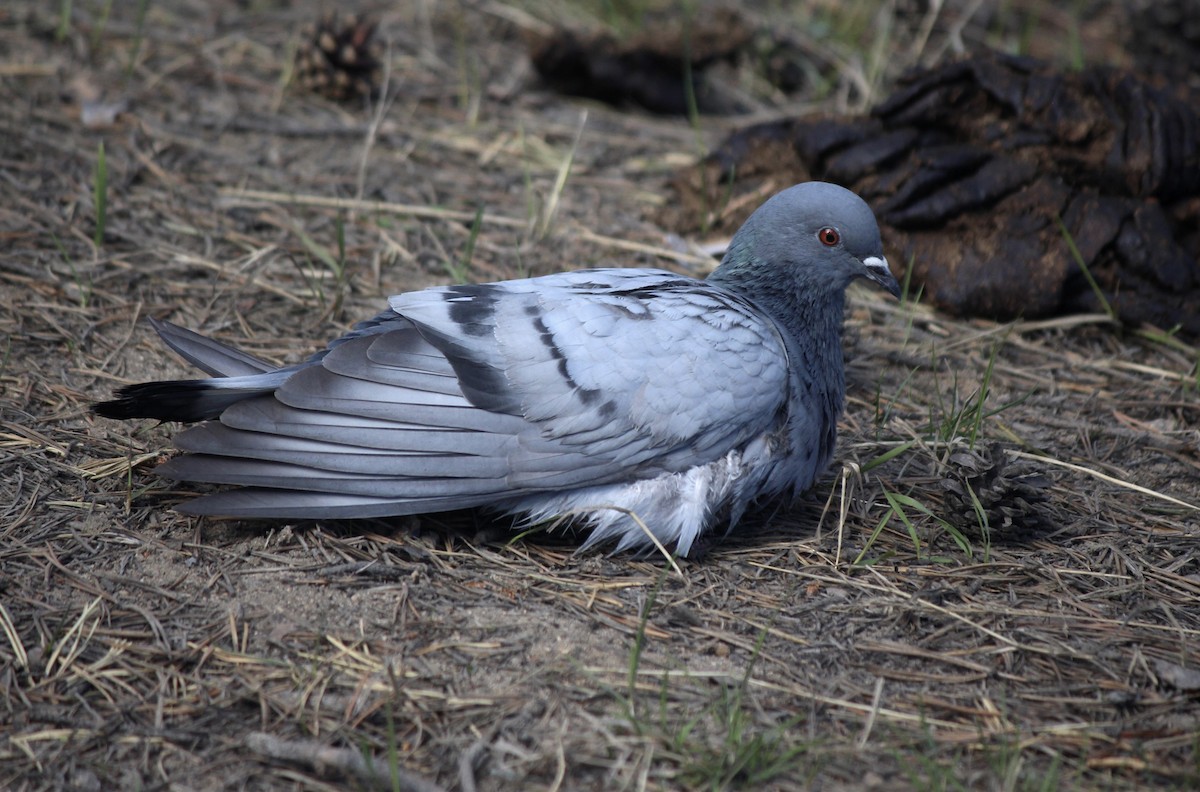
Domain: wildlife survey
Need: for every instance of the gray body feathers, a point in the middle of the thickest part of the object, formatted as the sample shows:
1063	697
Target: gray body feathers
631	400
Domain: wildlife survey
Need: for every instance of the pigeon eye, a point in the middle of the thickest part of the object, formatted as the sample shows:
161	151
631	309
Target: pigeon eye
829	236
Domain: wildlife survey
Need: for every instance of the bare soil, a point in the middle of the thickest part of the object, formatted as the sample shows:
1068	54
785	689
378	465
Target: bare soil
996	587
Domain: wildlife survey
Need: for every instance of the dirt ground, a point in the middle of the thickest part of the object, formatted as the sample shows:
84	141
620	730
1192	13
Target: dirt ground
996	587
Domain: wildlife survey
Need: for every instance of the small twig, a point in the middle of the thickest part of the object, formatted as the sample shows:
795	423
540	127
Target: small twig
427	212
385	102
376	773
435	213
372	568
872	714
560	180
640	247
1105	477
466	766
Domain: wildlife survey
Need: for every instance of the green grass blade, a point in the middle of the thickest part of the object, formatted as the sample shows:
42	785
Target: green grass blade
1083	267
64	20
139	30
887	456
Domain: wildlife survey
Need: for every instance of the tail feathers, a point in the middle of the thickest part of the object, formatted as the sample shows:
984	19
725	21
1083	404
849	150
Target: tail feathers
208	355
291	475
187	400
261	503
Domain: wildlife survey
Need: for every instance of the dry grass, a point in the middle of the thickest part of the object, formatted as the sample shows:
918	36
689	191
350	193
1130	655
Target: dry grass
1043	635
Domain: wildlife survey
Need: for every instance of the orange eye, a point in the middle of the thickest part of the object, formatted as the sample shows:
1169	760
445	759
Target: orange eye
829	236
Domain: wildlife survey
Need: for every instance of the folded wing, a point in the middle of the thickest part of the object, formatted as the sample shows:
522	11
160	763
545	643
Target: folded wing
482	395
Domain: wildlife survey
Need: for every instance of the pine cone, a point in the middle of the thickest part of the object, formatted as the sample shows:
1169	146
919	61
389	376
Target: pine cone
1007	495
339	58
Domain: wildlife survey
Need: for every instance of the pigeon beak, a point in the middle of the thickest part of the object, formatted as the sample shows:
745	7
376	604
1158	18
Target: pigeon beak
879	272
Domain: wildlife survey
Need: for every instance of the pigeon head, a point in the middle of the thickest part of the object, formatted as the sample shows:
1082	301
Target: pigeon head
815	235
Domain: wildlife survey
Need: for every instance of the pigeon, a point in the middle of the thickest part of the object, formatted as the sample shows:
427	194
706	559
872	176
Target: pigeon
645	406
